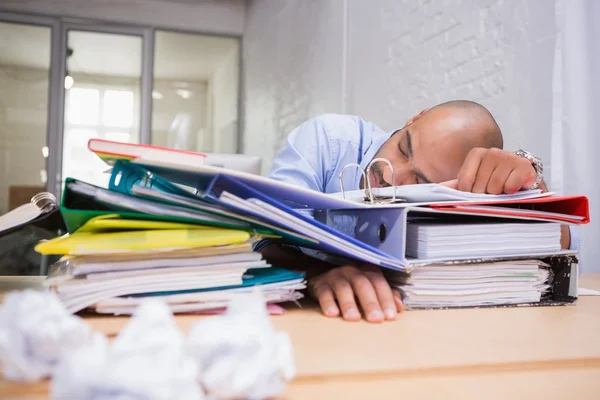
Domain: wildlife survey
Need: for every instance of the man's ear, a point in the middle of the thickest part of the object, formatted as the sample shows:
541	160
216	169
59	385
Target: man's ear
416	117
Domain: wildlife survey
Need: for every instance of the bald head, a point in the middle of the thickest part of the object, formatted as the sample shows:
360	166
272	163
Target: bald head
433	145
472	122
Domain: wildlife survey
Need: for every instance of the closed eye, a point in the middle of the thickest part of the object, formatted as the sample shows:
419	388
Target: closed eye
401	150
419	180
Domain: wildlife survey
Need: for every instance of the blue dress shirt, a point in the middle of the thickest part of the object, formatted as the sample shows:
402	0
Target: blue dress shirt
316	151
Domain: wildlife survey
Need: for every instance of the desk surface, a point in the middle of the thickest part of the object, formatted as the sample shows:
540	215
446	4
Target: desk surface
538	351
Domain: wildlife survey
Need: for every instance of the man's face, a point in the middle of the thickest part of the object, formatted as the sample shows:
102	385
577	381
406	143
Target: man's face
430	150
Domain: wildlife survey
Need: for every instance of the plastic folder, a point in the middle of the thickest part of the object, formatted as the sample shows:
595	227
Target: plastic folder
211	189
252	277
114	222
145	240
78	208
200	177
567	209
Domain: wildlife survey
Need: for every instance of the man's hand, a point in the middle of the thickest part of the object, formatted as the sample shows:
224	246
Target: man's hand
338	289
494	171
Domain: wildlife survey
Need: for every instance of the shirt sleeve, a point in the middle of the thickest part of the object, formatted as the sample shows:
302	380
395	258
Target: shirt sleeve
307	157
574	231
305	160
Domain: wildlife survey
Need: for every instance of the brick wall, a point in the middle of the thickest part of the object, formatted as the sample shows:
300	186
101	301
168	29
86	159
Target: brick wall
387	59
292	69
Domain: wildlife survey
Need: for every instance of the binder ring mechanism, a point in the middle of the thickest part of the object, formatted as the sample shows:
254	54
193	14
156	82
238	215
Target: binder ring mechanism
369	196
45	201
147	179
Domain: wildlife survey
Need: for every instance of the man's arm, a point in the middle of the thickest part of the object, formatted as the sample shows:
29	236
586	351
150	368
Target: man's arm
307	159
498	171
306	156
565	237
337	288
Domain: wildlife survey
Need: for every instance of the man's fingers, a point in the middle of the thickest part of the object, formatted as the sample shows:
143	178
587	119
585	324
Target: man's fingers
498	179
324	294
468	171
384	294
484	173
398	300
339	291
345	297
453	184
528	177
517	179
365	292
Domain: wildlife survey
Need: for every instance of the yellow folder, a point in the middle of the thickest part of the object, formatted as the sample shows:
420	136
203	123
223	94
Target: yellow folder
113	222
140	240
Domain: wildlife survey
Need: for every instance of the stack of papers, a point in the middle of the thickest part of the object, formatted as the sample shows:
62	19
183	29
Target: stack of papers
431	239
111	263
195	279
191	279
277	285
475	284
434	193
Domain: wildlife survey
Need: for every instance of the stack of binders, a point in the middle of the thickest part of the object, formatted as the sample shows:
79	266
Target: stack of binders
441	247
112	264
193	254
468	250
497	266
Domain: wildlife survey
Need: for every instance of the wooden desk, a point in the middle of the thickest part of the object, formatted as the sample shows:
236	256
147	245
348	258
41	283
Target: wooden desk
533	352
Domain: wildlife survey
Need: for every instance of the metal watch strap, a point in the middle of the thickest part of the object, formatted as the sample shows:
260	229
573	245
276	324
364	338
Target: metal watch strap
536	162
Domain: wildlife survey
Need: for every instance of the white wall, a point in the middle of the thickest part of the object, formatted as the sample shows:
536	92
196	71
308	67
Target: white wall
223	16
292	69
387	59
225	85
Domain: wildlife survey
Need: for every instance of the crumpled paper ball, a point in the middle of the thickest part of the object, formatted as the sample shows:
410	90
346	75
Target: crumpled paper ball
239	354
35	330
146	361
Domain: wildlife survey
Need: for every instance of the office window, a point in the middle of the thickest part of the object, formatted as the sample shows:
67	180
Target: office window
118	108
24	74
102	99
84	105
195	92
95	112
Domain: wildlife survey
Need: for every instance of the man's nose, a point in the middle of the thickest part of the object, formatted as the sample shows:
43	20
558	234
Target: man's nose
402	175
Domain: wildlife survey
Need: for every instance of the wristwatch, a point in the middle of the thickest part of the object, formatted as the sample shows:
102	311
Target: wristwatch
536	162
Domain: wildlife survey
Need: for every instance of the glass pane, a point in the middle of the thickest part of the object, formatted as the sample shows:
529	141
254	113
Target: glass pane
118	136
24	68
103	99
83	106
118	108
195	96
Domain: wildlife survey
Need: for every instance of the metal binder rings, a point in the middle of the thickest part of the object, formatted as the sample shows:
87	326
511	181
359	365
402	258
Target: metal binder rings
369	195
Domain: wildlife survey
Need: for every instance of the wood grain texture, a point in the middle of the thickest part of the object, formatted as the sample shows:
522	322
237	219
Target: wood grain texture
532	352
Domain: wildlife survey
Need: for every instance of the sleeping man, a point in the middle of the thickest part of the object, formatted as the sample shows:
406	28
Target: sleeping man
457	143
